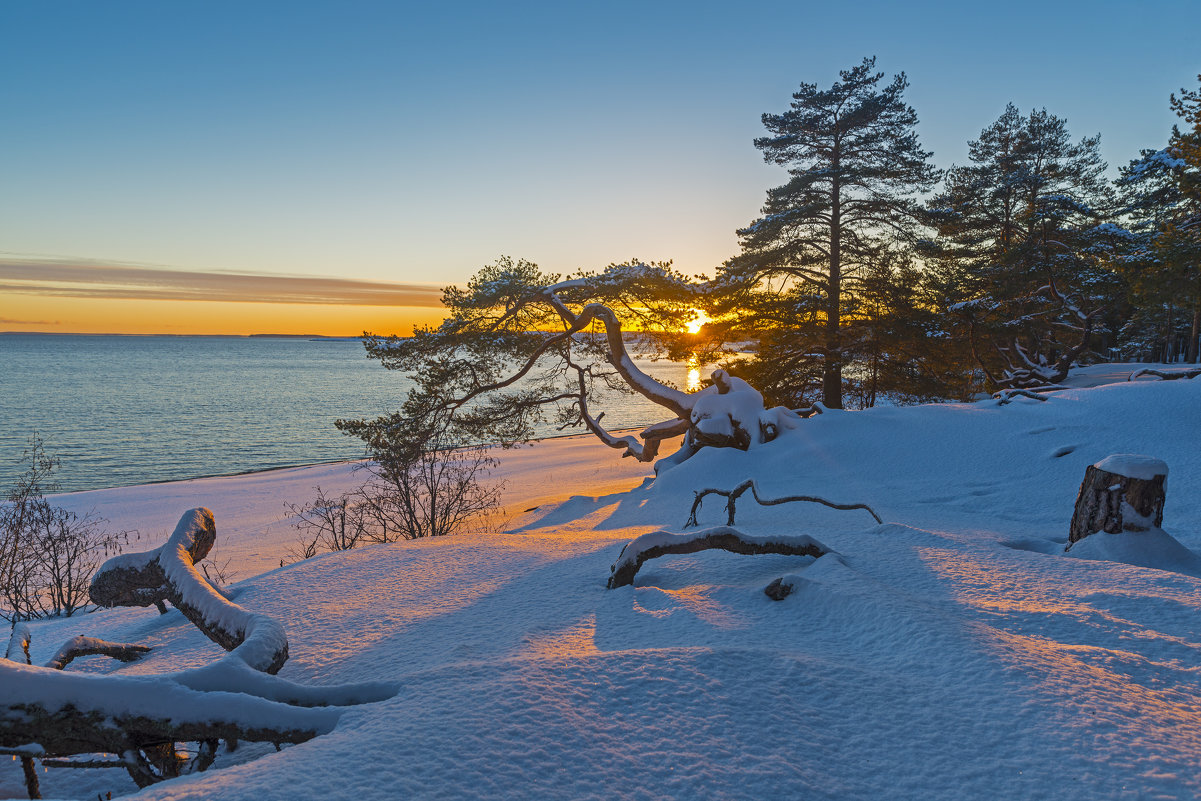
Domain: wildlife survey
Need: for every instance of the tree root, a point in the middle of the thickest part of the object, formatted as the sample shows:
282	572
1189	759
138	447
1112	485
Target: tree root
663	543
734	494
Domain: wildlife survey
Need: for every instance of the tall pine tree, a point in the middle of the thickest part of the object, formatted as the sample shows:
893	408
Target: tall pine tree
856	168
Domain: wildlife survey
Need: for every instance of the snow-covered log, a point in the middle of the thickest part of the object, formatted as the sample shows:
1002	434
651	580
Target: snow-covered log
1122	492
733	495
45	712
725	538
1166	375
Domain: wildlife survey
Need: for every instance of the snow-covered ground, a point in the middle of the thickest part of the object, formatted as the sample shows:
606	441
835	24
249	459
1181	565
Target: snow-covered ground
953	652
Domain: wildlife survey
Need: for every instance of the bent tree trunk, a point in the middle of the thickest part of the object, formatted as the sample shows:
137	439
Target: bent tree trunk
1123	492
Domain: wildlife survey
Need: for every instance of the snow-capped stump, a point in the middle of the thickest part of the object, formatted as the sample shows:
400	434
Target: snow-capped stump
1122	492
725	538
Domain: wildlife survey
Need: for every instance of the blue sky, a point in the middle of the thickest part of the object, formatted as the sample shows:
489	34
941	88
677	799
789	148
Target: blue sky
414	143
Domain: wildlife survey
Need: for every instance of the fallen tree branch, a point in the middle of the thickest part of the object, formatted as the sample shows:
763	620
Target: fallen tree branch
45	712
725	538
90	646
1007	396
1165	375
734	494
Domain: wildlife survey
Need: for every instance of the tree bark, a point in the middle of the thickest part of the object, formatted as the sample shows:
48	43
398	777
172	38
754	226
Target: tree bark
832	374
1113	498
1194	332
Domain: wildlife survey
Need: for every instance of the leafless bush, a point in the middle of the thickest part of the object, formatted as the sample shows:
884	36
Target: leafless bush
47	554
328	524
429	493
432	494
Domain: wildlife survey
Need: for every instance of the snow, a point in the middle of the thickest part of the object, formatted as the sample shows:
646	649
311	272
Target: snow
1133	465
953	652
1152	548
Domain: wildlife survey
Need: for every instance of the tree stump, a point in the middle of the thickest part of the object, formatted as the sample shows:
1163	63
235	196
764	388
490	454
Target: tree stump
1122	492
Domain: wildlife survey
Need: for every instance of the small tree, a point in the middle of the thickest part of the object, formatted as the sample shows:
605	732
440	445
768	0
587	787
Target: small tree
409	493
328	524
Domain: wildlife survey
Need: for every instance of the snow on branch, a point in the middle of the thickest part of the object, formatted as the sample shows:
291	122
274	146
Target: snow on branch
50	713
1166	375
725	538
733	495
170	571
90	646
1007	396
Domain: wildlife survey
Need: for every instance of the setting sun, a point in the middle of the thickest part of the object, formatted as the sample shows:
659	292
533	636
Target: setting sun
699	319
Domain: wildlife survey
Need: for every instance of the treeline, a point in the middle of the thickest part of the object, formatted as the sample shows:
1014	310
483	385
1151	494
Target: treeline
870	273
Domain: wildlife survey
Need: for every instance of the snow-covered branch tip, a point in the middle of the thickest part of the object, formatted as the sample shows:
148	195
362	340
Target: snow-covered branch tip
733	495
1166	375
725	538
90	646
1007	396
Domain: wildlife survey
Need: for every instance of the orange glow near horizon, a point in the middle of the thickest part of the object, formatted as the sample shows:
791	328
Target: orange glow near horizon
61	315
699	318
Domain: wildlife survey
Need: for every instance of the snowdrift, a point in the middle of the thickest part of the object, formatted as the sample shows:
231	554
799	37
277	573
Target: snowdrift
952	652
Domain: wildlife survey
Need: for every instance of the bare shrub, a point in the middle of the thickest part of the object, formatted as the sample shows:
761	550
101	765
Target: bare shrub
433	493
47	554
424	492
328	524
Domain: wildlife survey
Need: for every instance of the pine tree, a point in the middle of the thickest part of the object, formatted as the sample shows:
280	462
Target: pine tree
1162	193
856	168
1025	223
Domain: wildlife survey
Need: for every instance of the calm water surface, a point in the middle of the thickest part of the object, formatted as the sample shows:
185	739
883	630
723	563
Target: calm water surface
130	410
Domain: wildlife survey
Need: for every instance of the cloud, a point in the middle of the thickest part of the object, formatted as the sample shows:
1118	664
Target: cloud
85	279
11	321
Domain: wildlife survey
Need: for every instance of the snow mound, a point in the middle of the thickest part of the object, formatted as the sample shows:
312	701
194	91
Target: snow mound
1153	548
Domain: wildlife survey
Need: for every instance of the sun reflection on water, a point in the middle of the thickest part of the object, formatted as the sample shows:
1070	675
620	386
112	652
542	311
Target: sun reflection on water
694	374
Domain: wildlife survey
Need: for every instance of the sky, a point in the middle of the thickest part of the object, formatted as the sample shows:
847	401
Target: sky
305	167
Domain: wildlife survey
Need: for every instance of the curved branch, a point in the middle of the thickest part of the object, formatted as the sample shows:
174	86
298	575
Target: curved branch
135	579
725	538
645	451
90	646
734	494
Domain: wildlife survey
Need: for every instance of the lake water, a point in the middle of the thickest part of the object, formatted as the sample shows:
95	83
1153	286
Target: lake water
130	410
